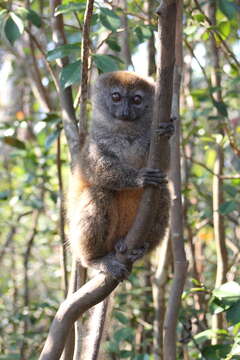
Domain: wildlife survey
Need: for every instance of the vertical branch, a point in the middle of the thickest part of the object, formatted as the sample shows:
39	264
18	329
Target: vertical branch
217	184
63	255
124	35
75	139
27	255
159	149
180	263
84	70
68	112
151	45
159	290
36	75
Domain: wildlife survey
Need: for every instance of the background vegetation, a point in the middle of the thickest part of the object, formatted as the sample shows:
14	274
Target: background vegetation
34	165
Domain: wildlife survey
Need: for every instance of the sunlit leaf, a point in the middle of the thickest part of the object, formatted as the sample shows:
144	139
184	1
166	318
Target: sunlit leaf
229	289
225	29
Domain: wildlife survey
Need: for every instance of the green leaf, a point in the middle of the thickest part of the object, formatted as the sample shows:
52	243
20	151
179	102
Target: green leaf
221	107
216	352
62	51
217	305
225	29
105	63
12	141
231	190
34	18
29	15
52	138
204	335
124	334
189	30
199	17
121	317
113	45
138	31
228	8
233	314
13	28
125	354
109	19
72	6
147	33
4	195
70	74
230	289
200	94
228	206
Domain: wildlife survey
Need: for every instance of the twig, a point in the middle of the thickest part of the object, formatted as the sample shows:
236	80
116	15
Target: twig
48	66
224	124
11	234
214	31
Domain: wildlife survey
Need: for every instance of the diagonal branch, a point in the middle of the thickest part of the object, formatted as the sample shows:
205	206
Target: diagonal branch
90	294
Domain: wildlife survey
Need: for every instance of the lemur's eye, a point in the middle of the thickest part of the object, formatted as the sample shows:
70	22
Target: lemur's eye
137	99
116	97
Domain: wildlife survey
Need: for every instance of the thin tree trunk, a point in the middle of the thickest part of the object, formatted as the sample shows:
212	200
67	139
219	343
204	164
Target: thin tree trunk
63	254
23	349
159	290
217	185
180	262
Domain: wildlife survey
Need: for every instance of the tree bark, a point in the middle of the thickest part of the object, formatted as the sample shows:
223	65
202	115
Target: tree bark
180	262
217	184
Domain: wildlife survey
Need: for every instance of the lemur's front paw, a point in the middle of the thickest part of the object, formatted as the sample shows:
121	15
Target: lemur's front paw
166	128
153	177
137	253
131	254
118	270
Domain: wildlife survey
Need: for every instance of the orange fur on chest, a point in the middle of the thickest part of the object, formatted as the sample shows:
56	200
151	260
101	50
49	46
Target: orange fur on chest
127	207
121	208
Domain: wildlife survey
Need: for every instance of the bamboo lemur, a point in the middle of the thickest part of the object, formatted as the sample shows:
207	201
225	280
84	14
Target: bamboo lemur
108	181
